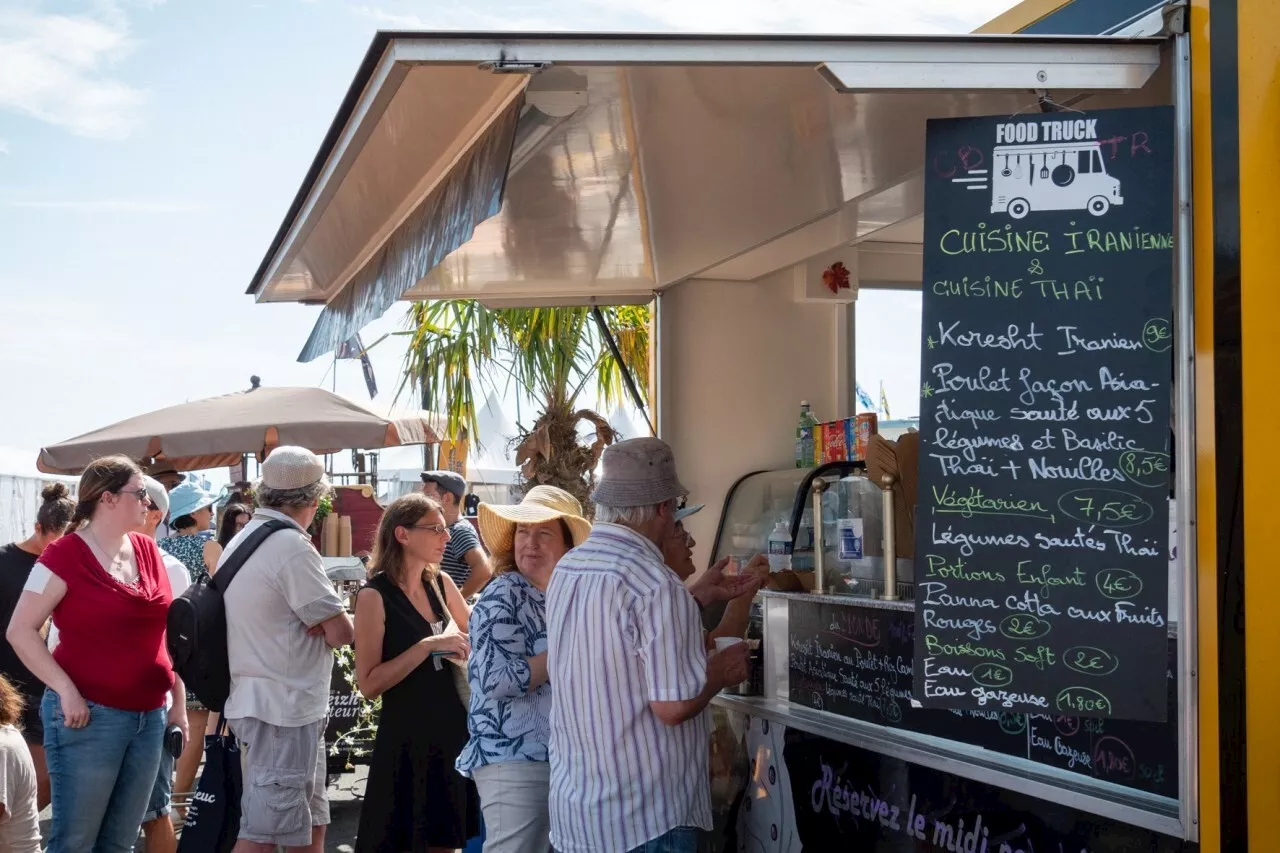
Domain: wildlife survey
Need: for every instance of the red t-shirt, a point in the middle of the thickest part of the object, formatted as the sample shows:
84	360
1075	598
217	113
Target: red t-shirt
111	635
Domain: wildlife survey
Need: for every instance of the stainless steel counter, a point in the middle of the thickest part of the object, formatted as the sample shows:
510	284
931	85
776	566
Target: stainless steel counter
1038	780
830	598
1075	789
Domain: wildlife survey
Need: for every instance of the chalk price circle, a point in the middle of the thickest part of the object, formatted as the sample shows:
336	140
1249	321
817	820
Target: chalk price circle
1111	507
1083	700
1157	336
1147	468
1088	660
1066	725
1118	584
1013	724
1020	626
1114	759
993	675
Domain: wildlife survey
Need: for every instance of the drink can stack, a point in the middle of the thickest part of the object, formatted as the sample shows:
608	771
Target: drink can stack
845	440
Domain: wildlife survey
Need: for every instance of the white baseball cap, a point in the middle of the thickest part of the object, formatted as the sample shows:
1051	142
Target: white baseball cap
291	468
158	494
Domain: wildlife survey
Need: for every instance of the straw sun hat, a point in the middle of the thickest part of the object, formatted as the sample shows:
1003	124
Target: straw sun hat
541	503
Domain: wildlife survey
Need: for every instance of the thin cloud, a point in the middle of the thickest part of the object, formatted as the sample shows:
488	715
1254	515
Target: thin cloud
815	16
740	16
506	17
111	206
57	68
4	146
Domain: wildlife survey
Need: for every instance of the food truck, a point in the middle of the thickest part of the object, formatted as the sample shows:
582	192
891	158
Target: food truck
1055	657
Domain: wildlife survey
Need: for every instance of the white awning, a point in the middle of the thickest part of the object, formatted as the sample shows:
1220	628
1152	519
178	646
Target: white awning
586	169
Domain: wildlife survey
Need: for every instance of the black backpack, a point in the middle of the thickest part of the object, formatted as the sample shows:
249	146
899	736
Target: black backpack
196	628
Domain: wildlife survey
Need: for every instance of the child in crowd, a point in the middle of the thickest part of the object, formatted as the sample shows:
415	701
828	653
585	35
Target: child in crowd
19	818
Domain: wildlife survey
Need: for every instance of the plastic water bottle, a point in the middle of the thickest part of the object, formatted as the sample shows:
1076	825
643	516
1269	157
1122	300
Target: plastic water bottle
780	548
804	436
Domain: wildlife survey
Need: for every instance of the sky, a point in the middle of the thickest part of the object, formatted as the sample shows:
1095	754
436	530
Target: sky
149	150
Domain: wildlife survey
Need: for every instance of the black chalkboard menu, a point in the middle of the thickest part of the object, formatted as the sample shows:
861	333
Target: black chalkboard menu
845	798
1042	519
856	661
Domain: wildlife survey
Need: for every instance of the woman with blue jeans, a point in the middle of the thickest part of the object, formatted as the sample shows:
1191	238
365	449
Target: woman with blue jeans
108	592
509	717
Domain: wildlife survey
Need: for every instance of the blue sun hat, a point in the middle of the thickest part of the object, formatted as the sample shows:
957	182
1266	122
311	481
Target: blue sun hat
189	497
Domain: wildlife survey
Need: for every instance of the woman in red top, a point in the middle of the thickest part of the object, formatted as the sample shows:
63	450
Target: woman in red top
106	587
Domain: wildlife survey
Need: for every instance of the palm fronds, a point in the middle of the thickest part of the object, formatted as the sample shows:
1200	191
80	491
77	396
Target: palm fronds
461	351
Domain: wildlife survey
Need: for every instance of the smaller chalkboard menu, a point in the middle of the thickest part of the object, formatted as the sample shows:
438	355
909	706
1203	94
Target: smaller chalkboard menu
1042	518
845	798
856	661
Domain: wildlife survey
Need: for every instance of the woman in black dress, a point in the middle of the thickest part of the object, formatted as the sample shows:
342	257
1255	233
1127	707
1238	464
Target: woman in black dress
415	800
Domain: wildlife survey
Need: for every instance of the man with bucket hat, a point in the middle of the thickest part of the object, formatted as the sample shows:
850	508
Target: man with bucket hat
629	737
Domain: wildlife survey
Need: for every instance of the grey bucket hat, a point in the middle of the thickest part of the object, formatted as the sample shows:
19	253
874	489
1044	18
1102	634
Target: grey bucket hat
638	472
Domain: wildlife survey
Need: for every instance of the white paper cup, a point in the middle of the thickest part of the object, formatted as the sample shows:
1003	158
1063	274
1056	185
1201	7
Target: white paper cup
723	643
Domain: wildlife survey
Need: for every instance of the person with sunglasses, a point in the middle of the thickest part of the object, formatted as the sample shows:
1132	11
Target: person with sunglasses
157	828
108	591
415	799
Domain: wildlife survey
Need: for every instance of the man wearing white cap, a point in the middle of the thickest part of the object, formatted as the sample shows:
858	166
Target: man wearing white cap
629	740
283	620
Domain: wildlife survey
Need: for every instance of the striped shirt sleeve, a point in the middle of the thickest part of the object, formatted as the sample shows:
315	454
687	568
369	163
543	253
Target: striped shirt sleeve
670	644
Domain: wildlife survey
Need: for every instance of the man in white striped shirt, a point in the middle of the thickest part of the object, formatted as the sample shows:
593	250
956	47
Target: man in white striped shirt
630	673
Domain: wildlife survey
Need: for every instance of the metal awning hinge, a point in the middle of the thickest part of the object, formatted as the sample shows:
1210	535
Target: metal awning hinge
515	66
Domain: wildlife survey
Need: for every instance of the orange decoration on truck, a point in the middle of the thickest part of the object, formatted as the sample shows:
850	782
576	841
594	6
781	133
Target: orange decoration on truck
836	277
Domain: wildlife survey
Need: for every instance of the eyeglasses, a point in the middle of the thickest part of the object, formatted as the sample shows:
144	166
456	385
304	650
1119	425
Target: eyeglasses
139	494
437	529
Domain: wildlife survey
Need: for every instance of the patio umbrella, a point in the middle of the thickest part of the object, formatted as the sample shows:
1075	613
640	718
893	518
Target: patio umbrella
216	432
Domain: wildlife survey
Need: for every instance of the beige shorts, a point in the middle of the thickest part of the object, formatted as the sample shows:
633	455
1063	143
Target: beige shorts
284	781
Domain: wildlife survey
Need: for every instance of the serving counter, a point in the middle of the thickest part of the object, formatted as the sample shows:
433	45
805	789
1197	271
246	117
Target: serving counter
836	749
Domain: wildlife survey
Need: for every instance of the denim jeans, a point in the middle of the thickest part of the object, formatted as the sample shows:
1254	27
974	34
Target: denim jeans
682	839
102	775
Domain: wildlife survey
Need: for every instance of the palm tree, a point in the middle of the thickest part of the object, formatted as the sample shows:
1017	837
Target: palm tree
460	350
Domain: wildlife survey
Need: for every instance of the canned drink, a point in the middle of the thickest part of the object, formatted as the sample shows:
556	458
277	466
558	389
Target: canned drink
834	445
865	425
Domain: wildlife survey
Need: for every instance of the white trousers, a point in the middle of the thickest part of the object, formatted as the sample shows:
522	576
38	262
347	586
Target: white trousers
513	798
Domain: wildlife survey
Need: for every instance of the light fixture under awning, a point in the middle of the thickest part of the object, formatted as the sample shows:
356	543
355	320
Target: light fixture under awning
468	194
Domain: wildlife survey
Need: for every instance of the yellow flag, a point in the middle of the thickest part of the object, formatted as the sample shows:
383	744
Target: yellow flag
453	457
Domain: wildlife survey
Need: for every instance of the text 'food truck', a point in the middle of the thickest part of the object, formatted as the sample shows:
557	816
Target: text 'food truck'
1051	165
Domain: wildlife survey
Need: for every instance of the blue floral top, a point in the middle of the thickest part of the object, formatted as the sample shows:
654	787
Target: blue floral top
507	722
189	550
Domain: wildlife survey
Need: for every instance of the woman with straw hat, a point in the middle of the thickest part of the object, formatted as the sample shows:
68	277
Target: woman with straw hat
510	711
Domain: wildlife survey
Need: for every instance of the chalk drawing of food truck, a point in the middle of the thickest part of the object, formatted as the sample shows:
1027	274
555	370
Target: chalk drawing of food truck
1051	176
